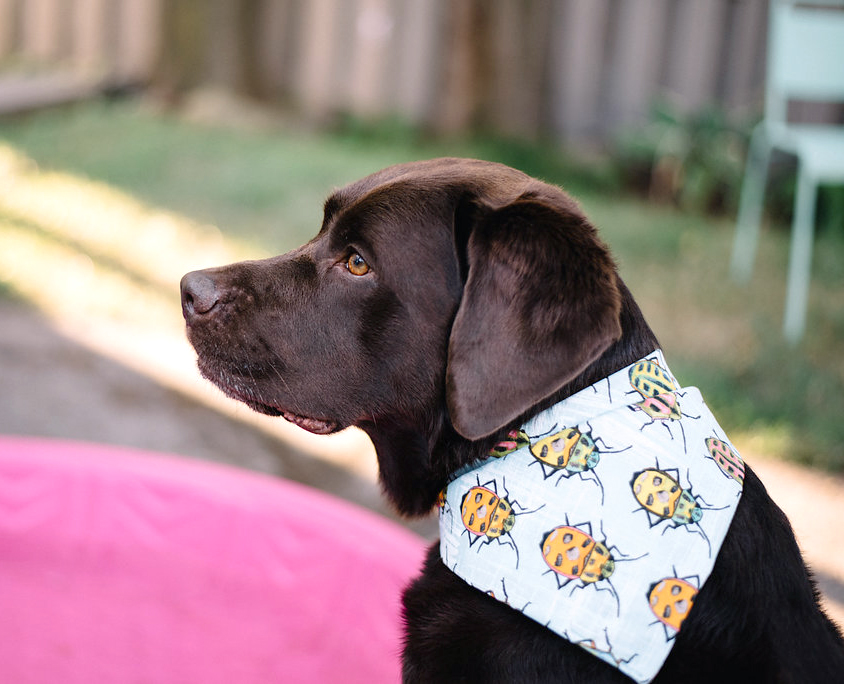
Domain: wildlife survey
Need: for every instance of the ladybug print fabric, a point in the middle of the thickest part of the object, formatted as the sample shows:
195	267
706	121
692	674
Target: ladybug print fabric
601	517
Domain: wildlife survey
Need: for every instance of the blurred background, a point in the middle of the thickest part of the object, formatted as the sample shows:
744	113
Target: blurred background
141	139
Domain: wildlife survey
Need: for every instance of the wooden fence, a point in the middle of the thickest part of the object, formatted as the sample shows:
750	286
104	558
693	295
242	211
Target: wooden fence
574	69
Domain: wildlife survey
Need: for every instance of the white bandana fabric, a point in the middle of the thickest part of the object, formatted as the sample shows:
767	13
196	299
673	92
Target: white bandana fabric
602	517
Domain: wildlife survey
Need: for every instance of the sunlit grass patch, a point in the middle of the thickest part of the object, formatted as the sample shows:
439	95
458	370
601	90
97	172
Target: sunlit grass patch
85	252
63	281
107	224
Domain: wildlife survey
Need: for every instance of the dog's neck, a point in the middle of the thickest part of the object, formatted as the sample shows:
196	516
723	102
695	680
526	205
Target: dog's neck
431	449
452	452
637	341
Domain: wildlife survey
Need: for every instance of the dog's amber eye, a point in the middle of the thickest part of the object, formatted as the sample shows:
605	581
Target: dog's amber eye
357	265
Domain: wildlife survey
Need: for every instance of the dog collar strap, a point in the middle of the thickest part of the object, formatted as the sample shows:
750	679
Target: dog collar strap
602	517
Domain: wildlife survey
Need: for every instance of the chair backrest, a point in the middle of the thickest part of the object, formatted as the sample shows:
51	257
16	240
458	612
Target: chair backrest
805	54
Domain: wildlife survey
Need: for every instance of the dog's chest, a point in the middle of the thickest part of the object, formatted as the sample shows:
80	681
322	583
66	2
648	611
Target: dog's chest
602	517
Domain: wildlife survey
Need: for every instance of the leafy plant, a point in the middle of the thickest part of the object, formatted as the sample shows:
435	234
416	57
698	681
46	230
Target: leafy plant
695	161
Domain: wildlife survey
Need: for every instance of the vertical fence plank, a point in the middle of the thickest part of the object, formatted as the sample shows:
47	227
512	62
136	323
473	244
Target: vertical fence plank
315	80
457	101
742	70
373	29
519	33
275	50
89	35
9	32
692	69
577	64
418	48
633	79
140	23
41	35
223	54
324	35
507	100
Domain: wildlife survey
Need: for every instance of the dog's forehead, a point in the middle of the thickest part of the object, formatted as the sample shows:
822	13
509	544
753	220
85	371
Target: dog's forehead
414	194
445	176
390	219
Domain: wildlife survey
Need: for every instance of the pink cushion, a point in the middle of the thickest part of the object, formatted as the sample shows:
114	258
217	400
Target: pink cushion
124	566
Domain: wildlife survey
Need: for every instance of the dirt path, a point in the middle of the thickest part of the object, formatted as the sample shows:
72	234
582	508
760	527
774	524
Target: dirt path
51	386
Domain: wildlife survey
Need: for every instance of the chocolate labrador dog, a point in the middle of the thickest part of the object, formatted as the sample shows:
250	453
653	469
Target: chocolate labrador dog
442	305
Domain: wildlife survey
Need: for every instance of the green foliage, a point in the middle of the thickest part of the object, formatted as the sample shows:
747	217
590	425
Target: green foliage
830	210
695	161
786	404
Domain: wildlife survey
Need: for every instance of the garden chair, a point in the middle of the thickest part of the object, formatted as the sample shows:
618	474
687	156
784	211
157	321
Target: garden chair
805	62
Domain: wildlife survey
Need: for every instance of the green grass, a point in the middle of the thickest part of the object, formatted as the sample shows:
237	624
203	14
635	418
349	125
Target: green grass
264	191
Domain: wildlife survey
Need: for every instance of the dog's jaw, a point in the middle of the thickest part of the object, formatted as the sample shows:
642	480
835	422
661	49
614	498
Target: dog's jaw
246	394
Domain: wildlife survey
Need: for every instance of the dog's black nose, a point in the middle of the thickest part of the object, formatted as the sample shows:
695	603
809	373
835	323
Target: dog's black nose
199	294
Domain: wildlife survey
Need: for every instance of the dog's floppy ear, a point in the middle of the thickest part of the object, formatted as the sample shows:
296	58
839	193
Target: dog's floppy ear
541	302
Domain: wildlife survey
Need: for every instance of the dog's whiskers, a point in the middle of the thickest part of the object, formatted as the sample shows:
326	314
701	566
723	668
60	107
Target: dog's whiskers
292	396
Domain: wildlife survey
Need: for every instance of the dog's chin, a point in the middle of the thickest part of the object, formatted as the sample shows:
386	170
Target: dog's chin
236	390
318	426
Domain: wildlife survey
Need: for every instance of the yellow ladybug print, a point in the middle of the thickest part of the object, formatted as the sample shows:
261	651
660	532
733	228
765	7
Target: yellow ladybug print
569	448
670	600
661	494
650	379
484	513
570	451
572	553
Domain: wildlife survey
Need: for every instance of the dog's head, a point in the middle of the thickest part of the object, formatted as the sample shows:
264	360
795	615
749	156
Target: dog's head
440	301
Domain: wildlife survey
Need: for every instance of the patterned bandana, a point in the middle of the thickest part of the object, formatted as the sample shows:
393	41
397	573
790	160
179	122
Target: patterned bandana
602	517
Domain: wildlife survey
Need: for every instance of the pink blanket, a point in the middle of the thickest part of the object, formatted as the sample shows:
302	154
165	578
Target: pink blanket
124	566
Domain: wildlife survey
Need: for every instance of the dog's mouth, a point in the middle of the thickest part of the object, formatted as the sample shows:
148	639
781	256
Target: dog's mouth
316	425
246	395
319	426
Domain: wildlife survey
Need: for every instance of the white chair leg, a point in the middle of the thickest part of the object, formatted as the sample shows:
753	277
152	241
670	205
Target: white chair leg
800	259
750	207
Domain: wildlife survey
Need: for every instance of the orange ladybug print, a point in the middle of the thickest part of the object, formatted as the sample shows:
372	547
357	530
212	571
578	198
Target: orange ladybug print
484	513
488	516
574	554
670	600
